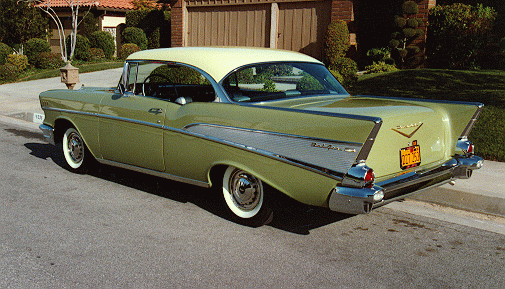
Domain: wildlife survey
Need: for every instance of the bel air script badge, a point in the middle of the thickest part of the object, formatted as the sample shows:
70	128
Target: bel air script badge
417	126
331	147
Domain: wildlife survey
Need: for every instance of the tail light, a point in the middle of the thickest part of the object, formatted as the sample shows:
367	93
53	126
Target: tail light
359	176
471	149
369	178
466	146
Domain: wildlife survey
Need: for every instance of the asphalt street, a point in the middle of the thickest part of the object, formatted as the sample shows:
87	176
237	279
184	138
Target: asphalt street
116	229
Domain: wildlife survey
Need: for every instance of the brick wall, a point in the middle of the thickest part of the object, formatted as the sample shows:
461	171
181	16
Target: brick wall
342	10
177	23
424	7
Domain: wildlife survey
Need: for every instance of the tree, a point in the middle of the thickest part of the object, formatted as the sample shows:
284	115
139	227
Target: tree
20	22
74	5
408	30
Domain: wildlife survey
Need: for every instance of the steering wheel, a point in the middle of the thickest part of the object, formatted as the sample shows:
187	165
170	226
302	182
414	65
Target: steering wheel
147	89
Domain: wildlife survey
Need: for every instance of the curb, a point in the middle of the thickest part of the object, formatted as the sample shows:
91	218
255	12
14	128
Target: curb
458	199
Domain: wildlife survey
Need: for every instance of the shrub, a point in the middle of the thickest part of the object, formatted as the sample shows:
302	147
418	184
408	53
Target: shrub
179	75
46	60
336	42
89	25
378	67
155	23
19	61
33	47
82	47
308	82
337	76
269	86
4	51
136	36
378	54
96	54
456	33
410	7
348	69
104	41
127	49
8	72
407	30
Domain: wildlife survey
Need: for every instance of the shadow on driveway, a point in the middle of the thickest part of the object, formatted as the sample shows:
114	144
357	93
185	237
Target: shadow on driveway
289	215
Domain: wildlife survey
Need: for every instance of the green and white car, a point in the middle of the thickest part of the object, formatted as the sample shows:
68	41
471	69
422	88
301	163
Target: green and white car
248	121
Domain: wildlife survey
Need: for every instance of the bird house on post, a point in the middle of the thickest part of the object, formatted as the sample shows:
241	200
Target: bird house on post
69	75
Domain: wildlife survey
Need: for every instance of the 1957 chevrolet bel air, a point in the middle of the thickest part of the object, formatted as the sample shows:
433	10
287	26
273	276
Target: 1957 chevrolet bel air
243	119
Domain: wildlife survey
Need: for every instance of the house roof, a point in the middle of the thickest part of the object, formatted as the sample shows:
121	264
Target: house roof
111	4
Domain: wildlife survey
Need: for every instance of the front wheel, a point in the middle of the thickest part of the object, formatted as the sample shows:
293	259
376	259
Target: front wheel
75	151
245	197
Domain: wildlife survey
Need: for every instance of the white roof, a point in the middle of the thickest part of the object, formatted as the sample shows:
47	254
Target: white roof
219	61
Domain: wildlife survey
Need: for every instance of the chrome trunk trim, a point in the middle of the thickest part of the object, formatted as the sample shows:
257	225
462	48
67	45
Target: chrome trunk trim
472	122
328	155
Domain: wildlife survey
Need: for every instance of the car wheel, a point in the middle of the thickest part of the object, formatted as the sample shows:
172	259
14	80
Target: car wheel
75	151
244	195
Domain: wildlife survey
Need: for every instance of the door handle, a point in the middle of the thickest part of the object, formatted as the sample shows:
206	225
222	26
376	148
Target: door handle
156	110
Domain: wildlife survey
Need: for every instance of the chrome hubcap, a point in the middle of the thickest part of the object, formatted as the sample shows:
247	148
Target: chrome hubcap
75	147
245	190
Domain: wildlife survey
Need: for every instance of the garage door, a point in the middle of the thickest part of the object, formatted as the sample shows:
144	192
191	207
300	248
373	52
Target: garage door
302	26
229	25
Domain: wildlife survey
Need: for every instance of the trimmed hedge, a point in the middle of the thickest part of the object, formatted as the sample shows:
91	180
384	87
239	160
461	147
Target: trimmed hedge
336	41
136	36
46	60
82	47
155	23
96	54
127	49
33	47
8	72
104	41
308	82
348	68
379	67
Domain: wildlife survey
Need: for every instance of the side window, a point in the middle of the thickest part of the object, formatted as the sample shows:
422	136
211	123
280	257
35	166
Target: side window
174	83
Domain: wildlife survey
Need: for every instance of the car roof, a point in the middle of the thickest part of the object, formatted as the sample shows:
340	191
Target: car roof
219	61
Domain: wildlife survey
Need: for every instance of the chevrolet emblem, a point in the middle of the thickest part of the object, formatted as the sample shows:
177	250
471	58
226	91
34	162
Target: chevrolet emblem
401	127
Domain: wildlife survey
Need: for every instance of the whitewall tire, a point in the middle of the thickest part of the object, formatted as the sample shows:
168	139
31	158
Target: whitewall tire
245	197
75	151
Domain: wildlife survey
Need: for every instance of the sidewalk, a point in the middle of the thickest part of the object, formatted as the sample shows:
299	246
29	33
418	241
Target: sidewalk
484	192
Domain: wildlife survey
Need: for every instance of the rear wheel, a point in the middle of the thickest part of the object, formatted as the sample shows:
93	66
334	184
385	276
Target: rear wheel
245	197
76	153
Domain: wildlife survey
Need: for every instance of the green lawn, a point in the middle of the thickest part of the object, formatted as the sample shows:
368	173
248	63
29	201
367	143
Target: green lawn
487	87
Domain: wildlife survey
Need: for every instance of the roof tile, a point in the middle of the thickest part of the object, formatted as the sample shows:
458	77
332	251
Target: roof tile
114	4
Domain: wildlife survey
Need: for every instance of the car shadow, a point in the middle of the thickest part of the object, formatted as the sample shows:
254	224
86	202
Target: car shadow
289	215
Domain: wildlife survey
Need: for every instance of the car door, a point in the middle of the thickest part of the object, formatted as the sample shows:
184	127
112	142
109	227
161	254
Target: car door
131	123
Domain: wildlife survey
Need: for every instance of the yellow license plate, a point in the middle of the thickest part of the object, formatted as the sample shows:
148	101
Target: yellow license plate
410	157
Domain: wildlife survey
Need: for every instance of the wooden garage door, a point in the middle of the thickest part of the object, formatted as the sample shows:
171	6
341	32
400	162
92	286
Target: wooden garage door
302	26
229	26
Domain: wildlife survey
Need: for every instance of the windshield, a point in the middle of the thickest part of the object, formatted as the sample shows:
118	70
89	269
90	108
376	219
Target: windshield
271	81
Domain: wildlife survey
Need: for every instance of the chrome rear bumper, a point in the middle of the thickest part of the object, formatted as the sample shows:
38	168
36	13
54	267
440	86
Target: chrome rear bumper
361	200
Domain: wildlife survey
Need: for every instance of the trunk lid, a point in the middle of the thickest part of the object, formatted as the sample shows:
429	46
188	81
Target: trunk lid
405	124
